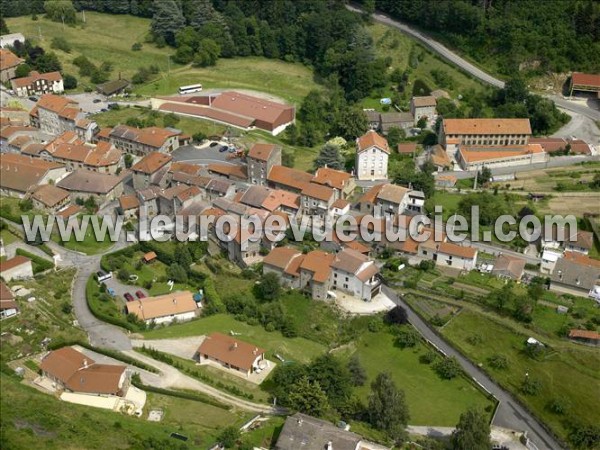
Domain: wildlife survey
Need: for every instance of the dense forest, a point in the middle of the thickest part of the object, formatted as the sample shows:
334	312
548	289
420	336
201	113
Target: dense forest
537	35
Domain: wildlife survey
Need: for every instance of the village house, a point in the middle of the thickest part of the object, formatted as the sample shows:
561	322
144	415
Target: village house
402	120
475	157
509	267
285	262
14	116
17	268
142	141
83	184
174	199
372	153
50	198
270	199
230	353
562	145
423	107
74	153
309	433
15	138
354	274
484	132
585	82
8	305
148	199
151	170
440	159
113	87
73	371
176	306
315	273
445	181
575	274
582	243
229	171
8	65
316	201
448	254
218	188
407	148
340	208
55	114
342	182
21	174
38	83
261	158
387	199
129	206
288	179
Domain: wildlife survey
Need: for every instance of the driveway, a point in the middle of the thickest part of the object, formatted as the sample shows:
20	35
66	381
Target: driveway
510	414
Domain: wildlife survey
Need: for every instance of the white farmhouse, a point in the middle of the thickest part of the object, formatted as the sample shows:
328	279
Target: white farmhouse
372	152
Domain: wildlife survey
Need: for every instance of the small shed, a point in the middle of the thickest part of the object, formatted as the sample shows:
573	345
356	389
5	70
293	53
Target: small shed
112	87
149	257
562	309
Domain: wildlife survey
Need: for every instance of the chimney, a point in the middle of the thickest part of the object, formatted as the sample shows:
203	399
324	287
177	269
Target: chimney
255	351
174	301
235	345
85	364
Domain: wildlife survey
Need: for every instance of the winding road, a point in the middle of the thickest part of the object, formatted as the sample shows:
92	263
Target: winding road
510	414
468	67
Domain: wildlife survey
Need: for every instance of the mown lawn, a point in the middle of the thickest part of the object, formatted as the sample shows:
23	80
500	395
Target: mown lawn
289	81
89	245
431	400
31	419
297	349
104	37
568	372
447	200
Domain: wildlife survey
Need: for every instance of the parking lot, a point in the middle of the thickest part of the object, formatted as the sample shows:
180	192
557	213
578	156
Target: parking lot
204	154
121	289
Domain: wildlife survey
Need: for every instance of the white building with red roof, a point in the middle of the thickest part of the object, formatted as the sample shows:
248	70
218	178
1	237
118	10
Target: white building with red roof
38	83
372	152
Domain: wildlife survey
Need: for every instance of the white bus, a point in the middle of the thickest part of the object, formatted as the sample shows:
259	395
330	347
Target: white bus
189	89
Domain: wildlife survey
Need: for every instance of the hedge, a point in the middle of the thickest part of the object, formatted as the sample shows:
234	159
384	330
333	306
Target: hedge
197	397
39	264
91	294
104	351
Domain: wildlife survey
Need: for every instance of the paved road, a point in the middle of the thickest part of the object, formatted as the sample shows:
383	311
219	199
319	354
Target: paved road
510	414
465	65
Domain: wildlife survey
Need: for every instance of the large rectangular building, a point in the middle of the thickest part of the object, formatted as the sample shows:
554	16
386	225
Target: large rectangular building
484	132
232	108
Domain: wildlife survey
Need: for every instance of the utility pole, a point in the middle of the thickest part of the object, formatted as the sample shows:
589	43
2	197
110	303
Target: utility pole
63	21
83	14
40	32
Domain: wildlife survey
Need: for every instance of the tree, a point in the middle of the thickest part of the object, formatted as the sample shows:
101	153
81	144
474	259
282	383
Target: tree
3	27
199	136
484	176
422	123
177	273
397	315
70	82
585	436
387	409
447	368
22	70
167	20
183	257
60	10
394	136
184	54
207	54
472	432
48	62
307	397
351	123
358	374
128	159
407	337
498	361
333	377
269	287
229	436
329	156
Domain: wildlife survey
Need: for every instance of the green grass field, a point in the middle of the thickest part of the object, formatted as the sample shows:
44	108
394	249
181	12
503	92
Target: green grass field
568	372
103	37
297	349
31	419
89	245
391	43
290	81
422	386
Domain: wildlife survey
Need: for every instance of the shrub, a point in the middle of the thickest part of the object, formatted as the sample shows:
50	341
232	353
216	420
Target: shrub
407	337
498	361
558	406
375	325
447	368
38	264
60	43
428	358
136	47
531	386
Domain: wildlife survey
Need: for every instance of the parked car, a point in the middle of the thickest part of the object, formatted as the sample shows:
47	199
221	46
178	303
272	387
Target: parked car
111	292
140	294
128	297
96	100
33	98
213	144
104	110
223	149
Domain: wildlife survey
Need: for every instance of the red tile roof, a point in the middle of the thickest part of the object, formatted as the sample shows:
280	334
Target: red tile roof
486	126
337	179
35	76
152	162
261	151
318	191
13	262
584	334
8	59
405	148
449	248
586	79
230	351
372	139
474	154
286	176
